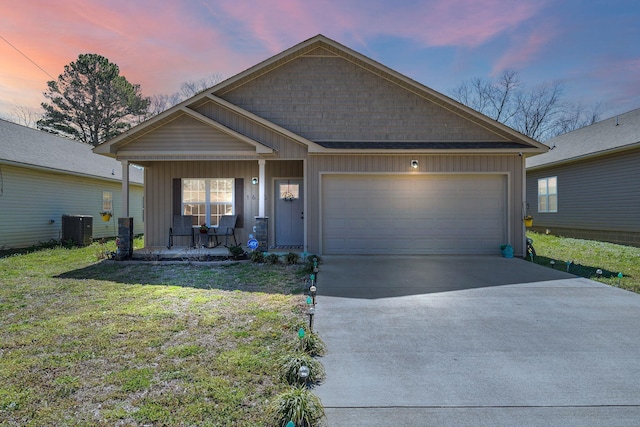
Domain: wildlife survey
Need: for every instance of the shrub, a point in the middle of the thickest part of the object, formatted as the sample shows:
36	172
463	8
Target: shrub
257	257
309	260
290	366
298	405
312	345
291	258
236	251
272	259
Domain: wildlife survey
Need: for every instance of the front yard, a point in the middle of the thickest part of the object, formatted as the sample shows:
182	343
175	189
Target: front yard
89	343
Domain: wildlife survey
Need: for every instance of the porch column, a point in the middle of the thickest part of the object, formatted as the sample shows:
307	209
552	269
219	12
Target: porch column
261	187
125	188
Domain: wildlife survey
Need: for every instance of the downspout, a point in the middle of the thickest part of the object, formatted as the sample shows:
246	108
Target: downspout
523	213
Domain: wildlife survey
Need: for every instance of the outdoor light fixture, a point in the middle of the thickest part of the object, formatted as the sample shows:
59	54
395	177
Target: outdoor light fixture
312	291
598	273
553	263
303	373
311	312
254	180
414	164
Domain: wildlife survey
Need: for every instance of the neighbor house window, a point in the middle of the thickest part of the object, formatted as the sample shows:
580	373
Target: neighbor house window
107	201
207	199
548	194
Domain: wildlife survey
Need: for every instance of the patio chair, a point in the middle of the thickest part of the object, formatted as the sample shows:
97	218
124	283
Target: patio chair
182	226
226	227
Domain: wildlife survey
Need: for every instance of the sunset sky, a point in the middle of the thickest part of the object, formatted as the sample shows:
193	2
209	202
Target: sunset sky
592	46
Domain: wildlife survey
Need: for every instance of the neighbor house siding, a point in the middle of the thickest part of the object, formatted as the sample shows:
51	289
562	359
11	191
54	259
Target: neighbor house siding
331	99
31	198
510	165
595	196
158	195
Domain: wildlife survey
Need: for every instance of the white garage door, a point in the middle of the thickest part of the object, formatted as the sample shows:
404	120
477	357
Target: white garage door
413	214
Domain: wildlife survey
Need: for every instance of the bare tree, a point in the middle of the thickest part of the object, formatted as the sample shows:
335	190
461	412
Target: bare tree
540	112
25	116
162	102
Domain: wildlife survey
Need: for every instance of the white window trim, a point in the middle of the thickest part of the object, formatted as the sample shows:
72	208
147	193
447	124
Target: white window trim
546	196
207	202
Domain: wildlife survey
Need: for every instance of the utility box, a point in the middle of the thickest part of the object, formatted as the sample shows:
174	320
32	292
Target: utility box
77	228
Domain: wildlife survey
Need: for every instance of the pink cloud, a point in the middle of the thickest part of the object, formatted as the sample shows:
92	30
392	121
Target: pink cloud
524	48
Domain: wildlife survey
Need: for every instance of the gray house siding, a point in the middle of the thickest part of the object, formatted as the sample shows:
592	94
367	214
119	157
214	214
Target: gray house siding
598	198
159	177
331	99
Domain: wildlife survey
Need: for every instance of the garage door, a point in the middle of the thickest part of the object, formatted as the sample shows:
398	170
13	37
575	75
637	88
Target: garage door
413	214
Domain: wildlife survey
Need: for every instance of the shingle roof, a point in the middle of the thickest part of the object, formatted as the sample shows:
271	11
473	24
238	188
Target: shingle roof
616	133
417	145
34	148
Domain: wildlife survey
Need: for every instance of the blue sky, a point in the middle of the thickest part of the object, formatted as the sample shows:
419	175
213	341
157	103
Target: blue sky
592	46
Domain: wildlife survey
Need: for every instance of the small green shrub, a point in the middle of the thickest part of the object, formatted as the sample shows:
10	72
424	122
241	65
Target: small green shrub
272	259
312	345
291	258
236	251
290	367
257	257
298	405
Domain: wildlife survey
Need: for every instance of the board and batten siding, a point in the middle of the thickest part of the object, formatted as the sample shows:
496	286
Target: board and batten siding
510	165
598	194
31	198
159	177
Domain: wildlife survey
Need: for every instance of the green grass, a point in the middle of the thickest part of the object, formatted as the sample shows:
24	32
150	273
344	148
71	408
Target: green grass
84	342
586	256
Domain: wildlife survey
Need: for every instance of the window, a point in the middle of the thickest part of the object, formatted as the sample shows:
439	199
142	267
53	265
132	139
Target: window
207	199
107	201
548	194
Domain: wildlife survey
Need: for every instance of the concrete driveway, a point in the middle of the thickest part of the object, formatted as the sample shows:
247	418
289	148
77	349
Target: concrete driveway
474	341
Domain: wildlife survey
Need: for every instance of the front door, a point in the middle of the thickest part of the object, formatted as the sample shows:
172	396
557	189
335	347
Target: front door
289	212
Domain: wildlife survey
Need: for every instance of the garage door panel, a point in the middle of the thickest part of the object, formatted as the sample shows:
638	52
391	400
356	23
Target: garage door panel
425	214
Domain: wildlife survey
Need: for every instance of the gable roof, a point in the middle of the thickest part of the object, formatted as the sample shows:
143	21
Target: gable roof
31	148
322	46
617	133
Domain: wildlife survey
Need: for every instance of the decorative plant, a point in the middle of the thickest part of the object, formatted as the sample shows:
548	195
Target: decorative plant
257	257
290	368
528	218
236	251
204	228
271	259
105	213
291	258
311	344
299	405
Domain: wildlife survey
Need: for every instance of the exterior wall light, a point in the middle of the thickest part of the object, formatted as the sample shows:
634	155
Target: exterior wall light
254	180
414	164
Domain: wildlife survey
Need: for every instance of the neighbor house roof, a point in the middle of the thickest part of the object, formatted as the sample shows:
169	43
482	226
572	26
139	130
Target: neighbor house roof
27	147
618	133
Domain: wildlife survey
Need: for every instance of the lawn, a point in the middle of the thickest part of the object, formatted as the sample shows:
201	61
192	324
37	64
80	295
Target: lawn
586	256
87	342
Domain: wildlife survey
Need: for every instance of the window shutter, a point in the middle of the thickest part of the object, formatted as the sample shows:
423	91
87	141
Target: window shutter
239	201
177	197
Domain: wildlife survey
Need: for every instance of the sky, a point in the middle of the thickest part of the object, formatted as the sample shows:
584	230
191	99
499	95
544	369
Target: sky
591	46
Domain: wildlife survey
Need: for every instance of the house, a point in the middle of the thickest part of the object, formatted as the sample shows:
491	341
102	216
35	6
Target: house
588	184
323	149
43	177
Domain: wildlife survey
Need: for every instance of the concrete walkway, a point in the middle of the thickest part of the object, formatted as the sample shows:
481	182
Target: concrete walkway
474	341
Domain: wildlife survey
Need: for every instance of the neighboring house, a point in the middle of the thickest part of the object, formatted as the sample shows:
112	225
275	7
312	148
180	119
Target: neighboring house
588	184
336	154
43	177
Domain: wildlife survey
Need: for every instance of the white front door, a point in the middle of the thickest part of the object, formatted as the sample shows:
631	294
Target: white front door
289	212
